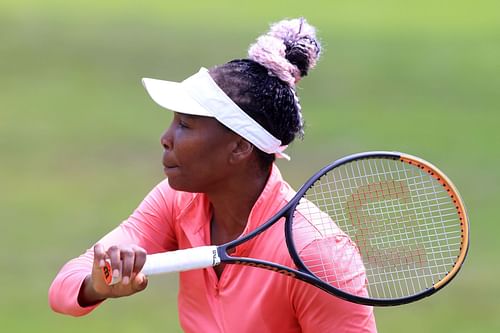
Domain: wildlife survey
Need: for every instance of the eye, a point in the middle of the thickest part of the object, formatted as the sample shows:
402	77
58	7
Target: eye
183	121
183	124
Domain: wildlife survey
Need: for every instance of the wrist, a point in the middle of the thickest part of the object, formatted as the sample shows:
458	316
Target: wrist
88	296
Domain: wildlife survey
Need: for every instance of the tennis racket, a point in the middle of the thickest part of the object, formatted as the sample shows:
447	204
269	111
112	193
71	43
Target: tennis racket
375	228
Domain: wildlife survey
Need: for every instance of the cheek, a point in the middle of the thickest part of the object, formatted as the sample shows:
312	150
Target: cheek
202	154
200	149
200	165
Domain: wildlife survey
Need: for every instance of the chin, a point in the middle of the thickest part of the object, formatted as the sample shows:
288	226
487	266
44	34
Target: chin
179	185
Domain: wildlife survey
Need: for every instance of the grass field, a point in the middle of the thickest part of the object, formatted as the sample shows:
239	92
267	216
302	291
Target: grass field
79	136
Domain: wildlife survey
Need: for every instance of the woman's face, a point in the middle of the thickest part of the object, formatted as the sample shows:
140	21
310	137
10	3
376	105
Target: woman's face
196	153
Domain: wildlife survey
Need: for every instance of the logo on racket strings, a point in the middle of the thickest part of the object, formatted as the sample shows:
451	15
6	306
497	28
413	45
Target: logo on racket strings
382	197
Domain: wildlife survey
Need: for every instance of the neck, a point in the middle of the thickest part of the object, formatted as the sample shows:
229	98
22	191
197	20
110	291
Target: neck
233	203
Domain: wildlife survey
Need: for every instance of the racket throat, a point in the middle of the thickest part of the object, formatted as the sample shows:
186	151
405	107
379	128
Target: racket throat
219	269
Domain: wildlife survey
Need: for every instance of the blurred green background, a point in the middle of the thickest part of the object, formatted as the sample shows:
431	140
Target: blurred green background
79	138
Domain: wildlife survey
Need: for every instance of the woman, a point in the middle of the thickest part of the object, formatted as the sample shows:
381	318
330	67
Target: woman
229	124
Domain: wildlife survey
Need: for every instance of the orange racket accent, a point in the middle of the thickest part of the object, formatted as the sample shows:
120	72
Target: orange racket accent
107	273
455	197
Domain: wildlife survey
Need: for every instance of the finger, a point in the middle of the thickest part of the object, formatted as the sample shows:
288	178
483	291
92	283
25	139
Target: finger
128	258
99	255
140	259
114	257
140	282
100	264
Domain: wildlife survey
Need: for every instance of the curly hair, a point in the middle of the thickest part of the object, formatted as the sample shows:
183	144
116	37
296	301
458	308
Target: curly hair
264	84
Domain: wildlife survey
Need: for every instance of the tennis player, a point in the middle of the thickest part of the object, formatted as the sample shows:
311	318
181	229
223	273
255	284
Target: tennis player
230	123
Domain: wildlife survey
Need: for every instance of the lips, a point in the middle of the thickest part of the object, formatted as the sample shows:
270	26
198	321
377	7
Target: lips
168	162
170	171
169	167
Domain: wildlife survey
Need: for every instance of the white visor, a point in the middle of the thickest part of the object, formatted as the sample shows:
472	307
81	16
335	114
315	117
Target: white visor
199	95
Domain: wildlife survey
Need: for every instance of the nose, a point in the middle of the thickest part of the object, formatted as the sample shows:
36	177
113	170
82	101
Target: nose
166	139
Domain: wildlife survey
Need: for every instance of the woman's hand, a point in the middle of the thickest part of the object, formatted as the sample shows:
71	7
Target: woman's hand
129	259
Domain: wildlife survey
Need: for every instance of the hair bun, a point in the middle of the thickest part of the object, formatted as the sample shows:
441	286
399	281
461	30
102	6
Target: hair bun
289	50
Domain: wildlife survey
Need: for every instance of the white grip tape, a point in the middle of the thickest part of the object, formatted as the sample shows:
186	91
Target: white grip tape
173	261
181	260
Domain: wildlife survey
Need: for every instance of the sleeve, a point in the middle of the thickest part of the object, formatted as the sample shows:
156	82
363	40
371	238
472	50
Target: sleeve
150	226
318	311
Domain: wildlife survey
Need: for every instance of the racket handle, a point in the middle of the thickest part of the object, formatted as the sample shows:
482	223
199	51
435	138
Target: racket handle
172	261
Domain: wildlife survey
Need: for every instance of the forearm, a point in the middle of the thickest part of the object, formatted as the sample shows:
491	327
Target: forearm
65	289
71	291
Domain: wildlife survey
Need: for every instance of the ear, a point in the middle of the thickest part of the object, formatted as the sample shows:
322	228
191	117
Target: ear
242	150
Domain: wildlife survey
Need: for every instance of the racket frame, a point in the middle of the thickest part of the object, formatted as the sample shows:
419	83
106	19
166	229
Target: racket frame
304	274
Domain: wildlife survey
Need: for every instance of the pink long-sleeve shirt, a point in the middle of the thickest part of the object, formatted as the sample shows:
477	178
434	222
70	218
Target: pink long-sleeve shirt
244	299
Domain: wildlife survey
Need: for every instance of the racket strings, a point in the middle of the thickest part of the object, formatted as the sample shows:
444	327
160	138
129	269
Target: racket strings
378	226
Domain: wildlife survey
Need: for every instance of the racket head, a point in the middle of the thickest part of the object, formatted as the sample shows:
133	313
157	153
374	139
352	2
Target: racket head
379	228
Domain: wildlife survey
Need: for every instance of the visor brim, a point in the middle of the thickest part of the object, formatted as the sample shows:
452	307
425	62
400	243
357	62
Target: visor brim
172	96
